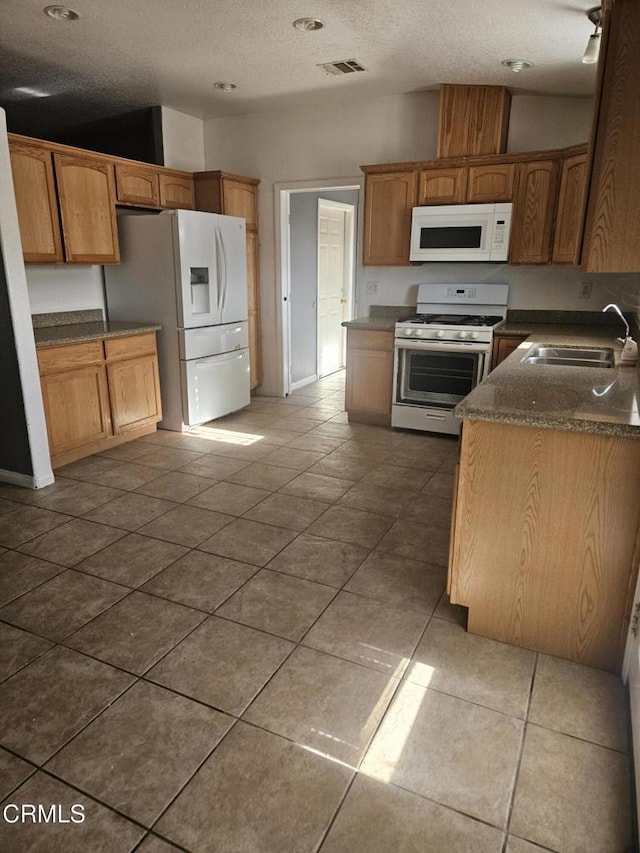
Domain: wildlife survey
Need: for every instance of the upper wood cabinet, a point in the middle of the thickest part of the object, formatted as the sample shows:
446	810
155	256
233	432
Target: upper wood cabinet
177	191
473	120
86	194
612	228
137	185
492	183
388	202
35	193
534	207
442	186
567	233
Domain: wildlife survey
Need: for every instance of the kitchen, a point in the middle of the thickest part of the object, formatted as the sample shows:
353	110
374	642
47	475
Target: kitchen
242	146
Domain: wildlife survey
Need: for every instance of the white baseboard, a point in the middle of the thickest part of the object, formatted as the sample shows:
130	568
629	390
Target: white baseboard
302	382
28	481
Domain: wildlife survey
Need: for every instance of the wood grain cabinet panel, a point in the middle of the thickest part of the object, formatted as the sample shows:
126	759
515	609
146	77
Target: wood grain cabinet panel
491	183
388	203
136	185
503	346
134	390
369	378
612	229
568	228
239	199
177	191
473	120
37	205
86	194
69	356
442	186
533	215
76	406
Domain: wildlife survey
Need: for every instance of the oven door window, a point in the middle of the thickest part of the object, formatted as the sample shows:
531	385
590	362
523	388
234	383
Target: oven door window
440	379
451	237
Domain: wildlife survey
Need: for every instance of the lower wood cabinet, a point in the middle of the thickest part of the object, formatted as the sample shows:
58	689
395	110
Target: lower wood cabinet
98	394
369	379
504	345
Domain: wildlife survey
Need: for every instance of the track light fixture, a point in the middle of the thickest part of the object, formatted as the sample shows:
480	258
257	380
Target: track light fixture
593	45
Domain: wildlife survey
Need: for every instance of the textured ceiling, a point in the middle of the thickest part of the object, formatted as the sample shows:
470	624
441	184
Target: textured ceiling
125	54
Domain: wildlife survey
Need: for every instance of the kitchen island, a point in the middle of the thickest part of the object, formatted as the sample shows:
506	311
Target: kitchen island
546	529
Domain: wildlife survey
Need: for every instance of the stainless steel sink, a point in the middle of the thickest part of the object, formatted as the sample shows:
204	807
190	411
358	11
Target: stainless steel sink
571	356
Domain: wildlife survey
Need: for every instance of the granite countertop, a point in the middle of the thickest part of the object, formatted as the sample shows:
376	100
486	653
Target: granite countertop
382	318
580	399
49	336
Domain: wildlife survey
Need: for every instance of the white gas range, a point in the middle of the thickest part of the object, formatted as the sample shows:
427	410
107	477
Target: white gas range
443	351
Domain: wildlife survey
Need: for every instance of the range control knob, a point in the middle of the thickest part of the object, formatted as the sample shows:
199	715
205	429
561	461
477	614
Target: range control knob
474	335
463	334
407	332
440	333
419	333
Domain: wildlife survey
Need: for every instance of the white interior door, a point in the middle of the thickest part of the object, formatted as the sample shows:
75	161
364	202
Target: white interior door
335	259
631	674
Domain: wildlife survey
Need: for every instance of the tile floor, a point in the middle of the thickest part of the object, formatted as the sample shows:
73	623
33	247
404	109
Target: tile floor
238	641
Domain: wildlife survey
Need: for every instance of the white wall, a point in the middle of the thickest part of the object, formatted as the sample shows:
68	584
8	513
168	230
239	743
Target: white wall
182	140
64	288
333	141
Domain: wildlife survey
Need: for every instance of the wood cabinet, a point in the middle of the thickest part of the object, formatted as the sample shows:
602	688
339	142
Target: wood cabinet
473	120
369	379
177	190
533	214
492	183
36	201
568	227
504	345
442	186
137	185
389	199
86	194
612	228
545	551
98	394
235	195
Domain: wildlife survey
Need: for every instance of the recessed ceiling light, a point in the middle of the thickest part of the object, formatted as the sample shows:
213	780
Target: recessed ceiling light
225	87
517	65
61	13
308	25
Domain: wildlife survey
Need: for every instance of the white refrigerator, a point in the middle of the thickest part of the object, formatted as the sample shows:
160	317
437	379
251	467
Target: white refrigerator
187	271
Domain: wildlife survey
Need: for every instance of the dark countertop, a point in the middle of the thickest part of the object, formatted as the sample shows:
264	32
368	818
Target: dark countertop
372	324
73	333
580	399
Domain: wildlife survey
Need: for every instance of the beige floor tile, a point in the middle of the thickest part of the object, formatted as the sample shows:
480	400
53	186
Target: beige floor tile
72	542
479	670
274	435
295	424
257	792
329	705
169	457
289	457
351	525
384	500
368	632
125	475
580	701
419	541
88	468
456	753
295	513
440	485
343	468
262	476
380	818
102	829
396	477
23	523
400	581
214	466
572	796
129	511
76	498
129	452
230	498
13	772
186	525
318	413
318	559
452	612
248	541
176	486
222	663
316	443
519	845
428	459
153	844
18	648
429	509
277	603
133	560
246	452
317	487
20	573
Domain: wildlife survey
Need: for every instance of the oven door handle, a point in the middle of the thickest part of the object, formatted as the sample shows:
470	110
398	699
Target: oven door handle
447	346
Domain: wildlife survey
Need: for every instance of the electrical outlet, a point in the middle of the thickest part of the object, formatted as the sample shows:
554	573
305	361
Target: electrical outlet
372	287
585	290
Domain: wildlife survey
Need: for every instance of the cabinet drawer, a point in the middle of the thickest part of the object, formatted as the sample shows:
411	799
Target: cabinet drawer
365	339
130	347
69	356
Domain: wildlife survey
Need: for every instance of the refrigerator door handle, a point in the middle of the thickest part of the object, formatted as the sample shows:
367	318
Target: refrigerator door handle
219	359
218	271
223	259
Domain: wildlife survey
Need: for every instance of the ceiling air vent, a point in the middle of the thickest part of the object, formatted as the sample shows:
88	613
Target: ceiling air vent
343	66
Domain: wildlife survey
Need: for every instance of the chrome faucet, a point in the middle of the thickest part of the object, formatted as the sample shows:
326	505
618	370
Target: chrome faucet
629	354
622	317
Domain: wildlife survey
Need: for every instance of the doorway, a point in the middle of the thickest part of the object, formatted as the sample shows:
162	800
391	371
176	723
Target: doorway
317	267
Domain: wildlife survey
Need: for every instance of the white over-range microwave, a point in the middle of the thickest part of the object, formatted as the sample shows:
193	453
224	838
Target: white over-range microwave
461	232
